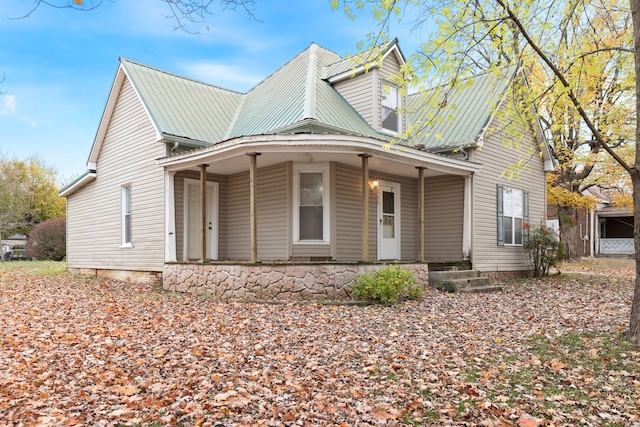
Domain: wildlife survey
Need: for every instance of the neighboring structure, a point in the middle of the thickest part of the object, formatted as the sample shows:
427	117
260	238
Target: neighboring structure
604	231
299	171
13	247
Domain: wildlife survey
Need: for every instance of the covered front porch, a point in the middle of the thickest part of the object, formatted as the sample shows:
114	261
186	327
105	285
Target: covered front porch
614	232
300	216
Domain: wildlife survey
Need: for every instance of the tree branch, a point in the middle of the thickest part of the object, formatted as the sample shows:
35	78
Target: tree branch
594	130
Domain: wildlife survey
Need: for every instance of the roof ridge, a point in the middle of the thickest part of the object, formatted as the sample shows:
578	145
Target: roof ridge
126	60
309	110
280	68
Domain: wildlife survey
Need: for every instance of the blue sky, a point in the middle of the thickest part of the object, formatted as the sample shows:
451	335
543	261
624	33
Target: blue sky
59	64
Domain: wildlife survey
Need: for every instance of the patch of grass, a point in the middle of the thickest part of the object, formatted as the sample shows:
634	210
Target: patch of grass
35	267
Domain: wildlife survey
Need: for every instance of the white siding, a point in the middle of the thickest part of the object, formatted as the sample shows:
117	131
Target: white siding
128	156
495	158
443	226
273	217
222	210
348	208
359	92
349	214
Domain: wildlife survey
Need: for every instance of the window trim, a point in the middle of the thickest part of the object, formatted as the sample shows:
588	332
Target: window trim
126	196
326	218
501	216
384	90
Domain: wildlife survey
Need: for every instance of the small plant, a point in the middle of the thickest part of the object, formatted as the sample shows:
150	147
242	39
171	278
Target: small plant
387	285
445	286
543	248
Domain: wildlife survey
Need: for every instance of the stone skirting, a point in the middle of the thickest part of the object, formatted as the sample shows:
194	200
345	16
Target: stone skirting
311	282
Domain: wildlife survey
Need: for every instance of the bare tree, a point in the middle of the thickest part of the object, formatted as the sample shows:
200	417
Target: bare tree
184	13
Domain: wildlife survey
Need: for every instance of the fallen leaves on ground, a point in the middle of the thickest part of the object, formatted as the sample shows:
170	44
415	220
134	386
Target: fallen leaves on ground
544	352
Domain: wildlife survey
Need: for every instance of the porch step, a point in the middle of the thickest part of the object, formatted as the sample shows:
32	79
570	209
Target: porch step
464	281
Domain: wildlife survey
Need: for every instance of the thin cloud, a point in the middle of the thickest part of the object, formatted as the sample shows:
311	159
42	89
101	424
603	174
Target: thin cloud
8	105
222	75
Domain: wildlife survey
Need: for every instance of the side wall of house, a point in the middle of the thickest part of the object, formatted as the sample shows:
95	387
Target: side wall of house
364	91
496	157
94	225
358	92
348	212
272	208
444	218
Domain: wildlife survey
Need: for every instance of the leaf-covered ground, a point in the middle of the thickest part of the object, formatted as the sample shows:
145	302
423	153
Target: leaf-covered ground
80	351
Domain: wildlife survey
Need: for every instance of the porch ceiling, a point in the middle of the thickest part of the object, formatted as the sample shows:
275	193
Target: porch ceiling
230	157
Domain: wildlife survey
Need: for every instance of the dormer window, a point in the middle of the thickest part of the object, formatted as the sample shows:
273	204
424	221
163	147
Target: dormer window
390	103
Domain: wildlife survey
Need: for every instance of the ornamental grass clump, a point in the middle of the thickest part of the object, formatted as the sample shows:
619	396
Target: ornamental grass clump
387	285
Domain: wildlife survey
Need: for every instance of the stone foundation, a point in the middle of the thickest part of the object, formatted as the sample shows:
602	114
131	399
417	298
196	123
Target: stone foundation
281	282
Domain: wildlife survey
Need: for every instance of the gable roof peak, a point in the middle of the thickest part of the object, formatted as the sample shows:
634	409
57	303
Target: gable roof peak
125	62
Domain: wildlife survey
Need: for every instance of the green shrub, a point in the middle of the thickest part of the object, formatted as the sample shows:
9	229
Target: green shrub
387	285
543	249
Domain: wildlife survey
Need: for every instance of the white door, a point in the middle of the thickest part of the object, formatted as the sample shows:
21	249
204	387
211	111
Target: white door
193	216
388	221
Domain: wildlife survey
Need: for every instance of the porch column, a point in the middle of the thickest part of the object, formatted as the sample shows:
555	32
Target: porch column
253	206
467	220
169	217
203	205
421	212
365	206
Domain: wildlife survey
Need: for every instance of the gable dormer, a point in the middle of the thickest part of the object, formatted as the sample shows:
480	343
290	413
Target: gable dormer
366	82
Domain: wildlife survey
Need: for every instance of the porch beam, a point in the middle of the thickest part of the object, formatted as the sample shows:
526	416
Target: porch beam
421	212
365	206
203	209
253	169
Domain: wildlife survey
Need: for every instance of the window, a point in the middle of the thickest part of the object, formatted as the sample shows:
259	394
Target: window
126	215
311	213
389	112
513	214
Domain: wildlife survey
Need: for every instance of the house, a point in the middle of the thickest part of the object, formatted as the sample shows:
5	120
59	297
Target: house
293	188
606	230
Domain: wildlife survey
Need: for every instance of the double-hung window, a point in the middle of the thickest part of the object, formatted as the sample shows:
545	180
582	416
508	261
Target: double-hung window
389	109
311	198
126	215
513	207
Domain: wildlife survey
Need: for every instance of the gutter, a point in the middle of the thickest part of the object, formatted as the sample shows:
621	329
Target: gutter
78	183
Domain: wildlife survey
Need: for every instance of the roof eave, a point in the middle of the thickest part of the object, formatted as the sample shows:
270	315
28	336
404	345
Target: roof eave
78	183
323	142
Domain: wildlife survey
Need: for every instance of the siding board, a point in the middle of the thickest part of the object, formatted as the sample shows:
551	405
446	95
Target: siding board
495	158
127	156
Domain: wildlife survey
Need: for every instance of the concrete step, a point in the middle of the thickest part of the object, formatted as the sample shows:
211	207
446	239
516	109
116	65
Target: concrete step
465	281
441	276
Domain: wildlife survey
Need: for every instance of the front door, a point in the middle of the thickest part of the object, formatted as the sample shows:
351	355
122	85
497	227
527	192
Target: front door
388	221
193	216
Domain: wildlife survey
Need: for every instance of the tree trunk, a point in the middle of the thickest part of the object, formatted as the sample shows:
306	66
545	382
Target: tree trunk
633	334
567	217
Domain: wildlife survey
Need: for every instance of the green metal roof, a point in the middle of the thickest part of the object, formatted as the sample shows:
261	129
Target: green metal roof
183	107
447	120
295	98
